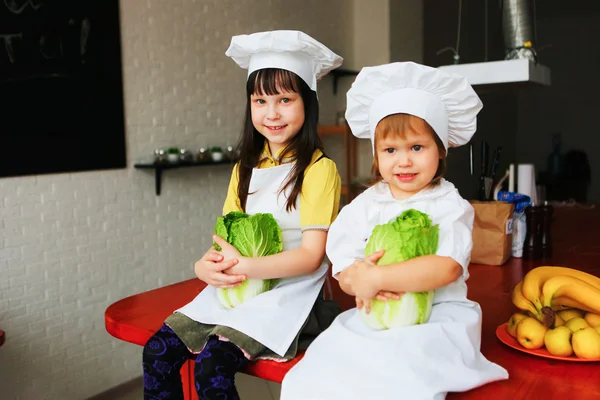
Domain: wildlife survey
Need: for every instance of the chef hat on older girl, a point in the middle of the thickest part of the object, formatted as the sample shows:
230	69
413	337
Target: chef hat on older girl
446	101
293	51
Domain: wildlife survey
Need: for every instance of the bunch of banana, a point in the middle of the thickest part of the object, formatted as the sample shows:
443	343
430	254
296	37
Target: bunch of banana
547	289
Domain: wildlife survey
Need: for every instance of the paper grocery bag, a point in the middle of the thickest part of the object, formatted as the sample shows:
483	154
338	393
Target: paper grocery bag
492	232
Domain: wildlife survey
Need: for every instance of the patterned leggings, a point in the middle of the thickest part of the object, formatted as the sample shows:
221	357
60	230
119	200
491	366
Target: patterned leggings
215	368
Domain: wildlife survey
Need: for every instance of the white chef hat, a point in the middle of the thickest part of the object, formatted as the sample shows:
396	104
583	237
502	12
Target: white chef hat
446	101
293	51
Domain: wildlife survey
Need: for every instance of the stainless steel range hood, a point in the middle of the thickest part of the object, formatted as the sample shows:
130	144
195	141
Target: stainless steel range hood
520	65
502	72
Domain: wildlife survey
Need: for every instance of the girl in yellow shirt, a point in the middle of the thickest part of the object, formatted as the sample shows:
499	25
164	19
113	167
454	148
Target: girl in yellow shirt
282	171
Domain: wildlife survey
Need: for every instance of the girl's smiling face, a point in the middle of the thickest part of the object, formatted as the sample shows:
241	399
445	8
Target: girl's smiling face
278	117
408	161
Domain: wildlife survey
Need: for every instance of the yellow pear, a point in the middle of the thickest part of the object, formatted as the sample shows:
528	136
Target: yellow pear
558	341
586	344
598	329
558	321
592	319
570	313
530	333
511	325
576	324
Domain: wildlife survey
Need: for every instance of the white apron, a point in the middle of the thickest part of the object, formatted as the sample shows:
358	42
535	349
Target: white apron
273	318
350	361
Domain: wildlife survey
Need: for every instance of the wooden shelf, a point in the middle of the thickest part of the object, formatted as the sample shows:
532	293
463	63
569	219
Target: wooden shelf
344	191
160	167
325	130
353	190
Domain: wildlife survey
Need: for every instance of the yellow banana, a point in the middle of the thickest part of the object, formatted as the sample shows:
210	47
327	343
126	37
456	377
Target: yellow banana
535	279
563	303
586	295
521	302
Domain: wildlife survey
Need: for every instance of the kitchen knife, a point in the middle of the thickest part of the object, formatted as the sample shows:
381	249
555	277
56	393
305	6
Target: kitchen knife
489	180
471	164
483	173
495	162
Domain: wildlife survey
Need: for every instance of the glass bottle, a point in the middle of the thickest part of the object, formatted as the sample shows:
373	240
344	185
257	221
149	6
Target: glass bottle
532	248
546	229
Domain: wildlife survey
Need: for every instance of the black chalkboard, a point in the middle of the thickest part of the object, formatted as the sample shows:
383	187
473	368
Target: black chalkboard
61	90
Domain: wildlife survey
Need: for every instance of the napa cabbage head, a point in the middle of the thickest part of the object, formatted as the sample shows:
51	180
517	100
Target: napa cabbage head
409	235
255	235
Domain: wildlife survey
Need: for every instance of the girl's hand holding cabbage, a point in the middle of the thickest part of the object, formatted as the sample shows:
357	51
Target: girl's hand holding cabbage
362	277
213	269
227	251
385	295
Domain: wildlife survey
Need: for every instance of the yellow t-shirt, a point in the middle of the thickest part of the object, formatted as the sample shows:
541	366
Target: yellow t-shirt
319	197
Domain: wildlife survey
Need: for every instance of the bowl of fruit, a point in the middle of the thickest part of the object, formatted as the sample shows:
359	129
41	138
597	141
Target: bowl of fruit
558	315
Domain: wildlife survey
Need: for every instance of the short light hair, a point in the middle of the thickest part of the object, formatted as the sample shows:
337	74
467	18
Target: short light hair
397	125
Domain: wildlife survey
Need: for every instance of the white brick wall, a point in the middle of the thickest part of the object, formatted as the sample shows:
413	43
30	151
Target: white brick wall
71	244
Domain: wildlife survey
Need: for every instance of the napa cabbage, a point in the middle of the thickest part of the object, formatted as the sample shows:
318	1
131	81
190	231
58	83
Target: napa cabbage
409	235
255	235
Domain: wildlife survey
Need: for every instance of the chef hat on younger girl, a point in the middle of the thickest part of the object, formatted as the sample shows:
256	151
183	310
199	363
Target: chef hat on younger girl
446	101
293	51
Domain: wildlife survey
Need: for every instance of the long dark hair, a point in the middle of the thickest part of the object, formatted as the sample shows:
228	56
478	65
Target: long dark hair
271	81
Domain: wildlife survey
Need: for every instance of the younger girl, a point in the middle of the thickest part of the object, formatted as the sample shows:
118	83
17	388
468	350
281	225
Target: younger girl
412	113
282	171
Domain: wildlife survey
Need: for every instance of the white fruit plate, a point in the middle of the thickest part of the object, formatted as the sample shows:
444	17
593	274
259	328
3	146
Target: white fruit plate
510	341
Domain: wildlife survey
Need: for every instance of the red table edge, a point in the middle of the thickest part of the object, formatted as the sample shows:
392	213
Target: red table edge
126	332
264	369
